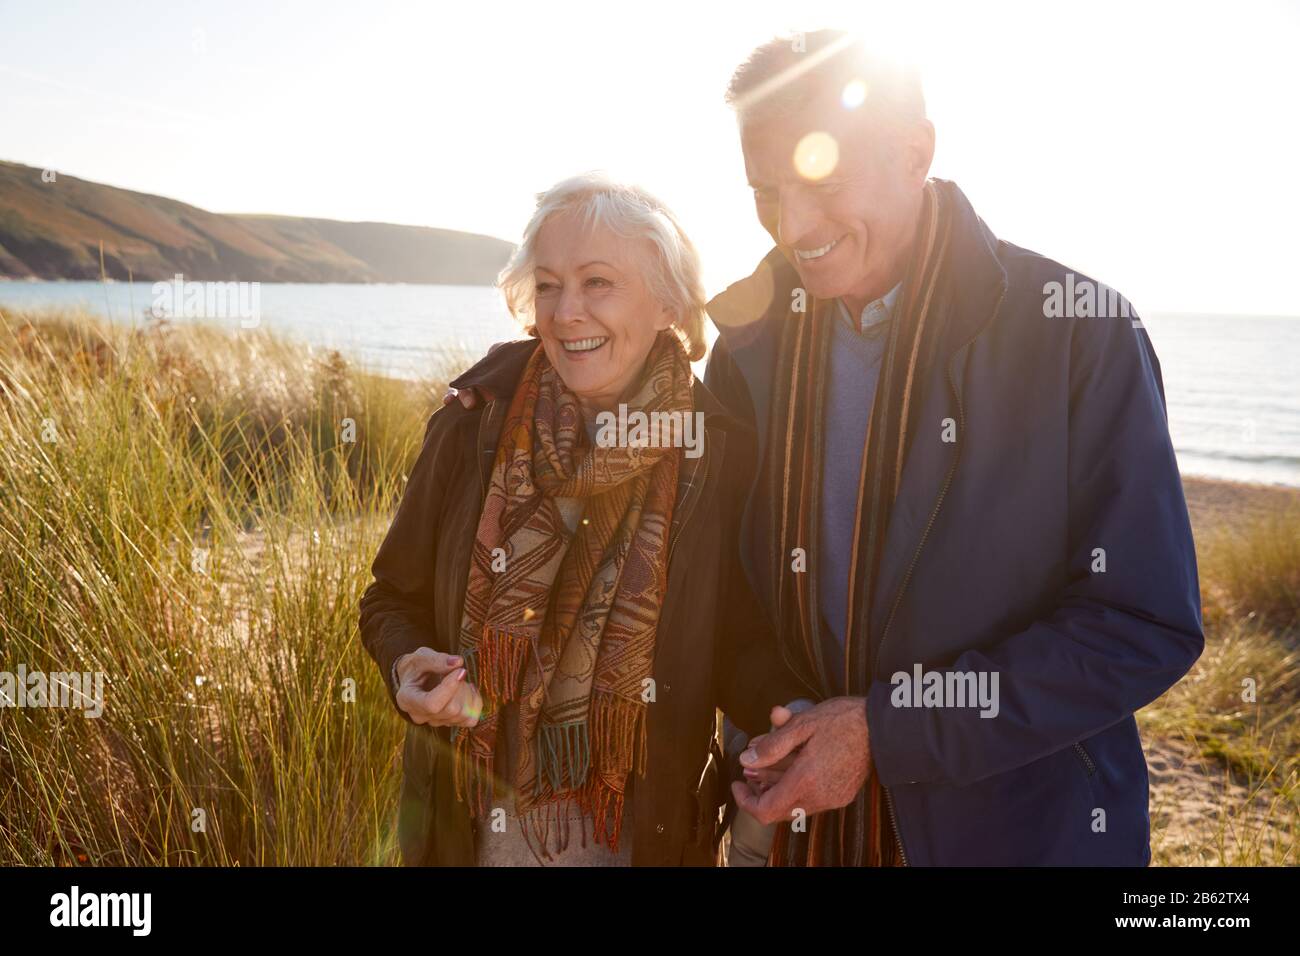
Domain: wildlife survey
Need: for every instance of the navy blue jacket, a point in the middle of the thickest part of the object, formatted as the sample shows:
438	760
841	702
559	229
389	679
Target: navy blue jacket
993	557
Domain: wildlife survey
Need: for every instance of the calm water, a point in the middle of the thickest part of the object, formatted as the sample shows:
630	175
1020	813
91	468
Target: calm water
1232	382
396	329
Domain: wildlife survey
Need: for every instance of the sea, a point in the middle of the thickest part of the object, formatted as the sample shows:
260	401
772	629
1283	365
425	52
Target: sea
1232	382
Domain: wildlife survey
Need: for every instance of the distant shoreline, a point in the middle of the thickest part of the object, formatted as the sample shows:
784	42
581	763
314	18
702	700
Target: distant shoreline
55	227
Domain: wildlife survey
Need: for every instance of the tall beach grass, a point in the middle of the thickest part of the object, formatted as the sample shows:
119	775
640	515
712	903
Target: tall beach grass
189	512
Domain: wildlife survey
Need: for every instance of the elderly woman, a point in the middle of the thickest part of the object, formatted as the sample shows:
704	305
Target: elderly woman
558	608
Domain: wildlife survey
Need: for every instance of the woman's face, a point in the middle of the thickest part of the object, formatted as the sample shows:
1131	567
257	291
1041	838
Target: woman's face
595	315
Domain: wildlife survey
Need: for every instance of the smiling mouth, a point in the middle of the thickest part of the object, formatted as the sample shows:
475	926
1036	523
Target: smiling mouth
806	255
585	345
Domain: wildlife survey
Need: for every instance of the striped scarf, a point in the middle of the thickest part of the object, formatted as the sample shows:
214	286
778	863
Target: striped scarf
860	834
558	630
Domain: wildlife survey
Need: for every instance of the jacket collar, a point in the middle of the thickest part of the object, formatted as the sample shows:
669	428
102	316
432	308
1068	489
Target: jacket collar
498	372
977	279
765	295
744	308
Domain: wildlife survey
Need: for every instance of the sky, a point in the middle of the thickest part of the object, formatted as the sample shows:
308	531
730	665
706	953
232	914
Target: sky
1154	146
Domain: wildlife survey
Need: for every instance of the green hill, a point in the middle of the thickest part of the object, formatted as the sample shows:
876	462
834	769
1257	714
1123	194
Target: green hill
53	230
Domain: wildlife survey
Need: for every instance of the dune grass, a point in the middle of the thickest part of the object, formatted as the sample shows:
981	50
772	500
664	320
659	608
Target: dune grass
1251	569
182	510
1237	713
189	512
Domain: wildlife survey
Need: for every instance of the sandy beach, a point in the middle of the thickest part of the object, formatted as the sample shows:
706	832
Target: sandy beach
1213	500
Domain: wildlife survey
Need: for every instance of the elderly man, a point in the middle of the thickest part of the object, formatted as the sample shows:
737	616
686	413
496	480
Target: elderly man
968	527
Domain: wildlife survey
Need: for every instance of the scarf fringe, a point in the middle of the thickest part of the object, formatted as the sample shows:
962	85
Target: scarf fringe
616	732
540	821
473	768
548	827
619	728
603	805
564	754
619	733
499	660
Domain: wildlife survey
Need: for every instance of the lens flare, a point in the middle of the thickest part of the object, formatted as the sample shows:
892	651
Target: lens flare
854	95
816	156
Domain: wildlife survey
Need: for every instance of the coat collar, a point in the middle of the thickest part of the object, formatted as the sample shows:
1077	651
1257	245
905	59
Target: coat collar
498	372
765	295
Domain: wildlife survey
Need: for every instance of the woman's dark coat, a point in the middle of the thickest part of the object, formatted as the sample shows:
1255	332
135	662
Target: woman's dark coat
713	647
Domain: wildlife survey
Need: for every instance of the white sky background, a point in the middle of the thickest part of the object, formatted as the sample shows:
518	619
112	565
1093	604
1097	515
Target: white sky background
1153	145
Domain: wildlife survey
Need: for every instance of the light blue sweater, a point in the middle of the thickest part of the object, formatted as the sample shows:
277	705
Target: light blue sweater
856	351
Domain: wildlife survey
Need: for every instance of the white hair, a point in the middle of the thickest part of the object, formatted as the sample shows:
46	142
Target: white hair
630	212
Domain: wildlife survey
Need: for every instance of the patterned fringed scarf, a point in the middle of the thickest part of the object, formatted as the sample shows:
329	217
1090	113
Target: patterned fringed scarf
558	631
860	834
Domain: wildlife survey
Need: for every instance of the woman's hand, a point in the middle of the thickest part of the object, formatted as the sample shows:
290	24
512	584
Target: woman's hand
432	690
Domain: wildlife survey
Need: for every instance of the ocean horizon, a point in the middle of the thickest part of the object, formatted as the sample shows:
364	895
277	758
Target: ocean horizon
1231	381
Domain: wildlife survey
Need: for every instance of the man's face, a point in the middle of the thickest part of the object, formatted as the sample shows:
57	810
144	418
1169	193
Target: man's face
838	196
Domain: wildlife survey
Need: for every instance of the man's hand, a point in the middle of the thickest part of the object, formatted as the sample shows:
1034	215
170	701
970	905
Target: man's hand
762	779
831	755
469	397
448	702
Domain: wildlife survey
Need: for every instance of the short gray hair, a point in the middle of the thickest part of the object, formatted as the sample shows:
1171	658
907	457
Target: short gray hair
674	277
784	75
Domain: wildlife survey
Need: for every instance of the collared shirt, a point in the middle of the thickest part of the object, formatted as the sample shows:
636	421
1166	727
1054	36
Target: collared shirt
875	312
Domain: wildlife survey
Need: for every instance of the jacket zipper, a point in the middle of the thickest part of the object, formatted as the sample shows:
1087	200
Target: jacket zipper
1087	760
952	470
907	577
893	823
